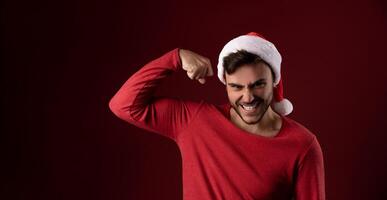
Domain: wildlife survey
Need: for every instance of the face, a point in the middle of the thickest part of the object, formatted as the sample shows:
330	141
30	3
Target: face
250	91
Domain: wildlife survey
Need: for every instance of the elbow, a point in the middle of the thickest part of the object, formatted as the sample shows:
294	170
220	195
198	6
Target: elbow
117	109
122	110
125	107
113	106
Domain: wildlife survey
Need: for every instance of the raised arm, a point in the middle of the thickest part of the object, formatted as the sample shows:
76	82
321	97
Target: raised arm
136	103
310	183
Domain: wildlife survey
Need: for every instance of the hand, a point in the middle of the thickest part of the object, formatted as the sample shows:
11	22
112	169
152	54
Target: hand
197	66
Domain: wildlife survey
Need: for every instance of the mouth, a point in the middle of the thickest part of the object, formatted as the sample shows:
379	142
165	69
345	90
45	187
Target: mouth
250	107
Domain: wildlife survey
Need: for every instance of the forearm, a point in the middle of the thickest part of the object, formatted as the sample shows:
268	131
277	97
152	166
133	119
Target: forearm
132	99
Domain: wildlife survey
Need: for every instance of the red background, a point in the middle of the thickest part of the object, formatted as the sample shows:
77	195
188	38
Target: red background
64	60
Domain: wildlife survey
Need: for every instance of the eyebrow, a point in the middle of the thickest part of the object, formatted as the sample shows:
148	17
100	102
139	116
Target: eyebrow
257	81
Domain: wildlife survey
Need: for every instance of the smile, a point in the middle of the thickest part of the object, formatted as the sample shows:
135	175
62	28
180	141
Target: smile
249	107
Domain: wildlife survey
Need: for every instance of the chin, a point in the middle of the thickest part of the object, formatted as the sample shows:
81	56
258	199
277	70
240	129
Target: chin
251	120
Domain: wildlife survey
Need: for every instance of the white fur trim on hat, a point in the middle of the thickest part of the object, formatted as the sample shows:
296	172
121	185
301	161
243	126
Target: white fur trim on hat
253	44
256	44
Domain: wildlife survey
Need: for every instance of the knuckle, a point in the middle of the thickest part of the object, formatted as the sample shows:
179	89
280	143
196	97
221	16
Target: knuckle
207	61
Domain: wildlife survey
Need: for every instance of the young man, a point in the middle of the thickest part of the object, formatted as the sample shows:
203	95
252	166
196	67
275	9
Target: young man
245	149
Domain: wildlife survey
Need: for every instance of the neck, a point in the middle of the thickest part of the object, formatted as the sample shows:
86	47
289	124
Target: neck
269	125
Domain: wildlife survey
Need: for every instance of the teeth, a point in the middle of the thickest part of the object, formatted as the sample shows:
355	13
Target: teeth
249	107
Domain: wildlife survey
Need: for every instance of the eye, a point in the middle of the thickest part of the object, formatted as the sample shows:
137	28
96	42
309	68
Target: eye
259	85
236	87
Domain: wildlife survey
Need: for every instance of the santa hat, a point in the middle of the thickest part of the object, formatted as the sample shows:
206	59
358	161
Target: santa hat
255	43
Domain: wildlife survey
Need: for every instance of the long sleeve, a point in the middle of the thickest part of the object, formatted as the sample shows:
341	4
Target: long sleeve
310	183
136	103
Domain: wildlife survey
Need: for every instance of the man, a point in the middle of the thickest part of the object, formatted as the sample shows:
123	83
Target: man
244	149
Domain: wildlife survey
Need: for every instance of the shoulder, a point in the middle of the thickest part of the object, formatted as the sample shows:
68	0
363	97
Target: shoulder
205	105
299	132
303	139
207	109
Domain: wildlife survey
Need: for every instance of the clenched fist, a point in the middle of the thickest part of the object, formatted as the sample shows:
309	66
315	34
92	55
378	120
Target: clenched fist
197	66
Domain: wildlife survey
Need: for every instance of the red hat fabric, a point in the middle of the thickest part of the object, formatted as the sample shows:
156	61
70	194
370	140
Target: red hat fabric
255	43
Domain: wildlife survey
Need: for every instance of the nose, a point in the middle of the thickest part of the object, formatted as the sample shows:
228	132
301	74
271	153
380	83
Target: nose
247	96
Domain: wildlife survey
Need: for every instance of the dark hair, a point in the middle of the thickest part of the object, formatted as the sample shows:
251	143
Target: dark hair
235	60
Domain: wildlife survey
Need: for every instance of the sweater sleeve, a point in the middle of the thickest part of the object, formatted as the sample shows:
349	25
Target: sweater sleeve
136	103
310	183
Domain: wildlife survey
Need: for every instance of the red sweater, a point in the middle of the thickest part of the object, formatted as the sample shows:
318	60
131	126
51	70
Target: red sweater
220	160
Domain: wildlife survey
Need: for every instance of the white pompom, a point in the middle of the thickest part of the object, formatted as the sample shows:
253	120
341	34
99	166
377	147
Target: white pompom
283	107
